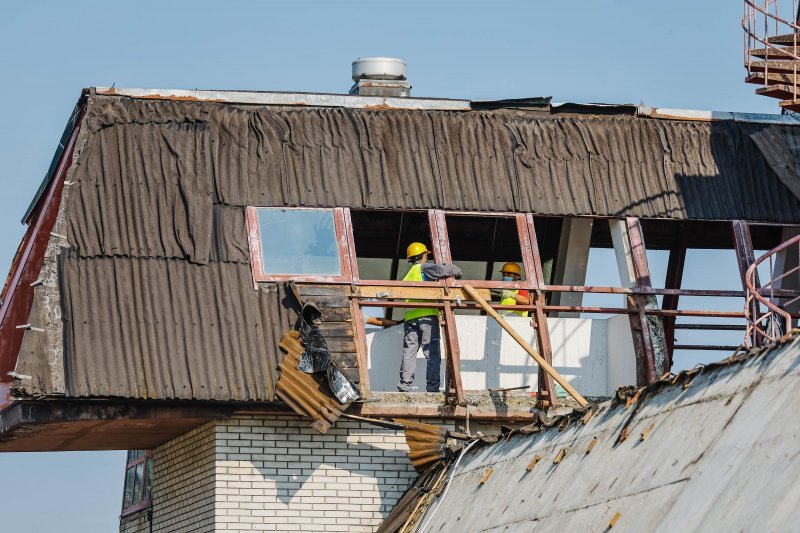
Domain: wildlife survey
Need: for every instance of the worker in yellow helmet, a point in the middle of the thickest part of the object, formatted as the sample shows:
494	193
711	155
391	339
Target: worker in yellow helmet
512	272
421	326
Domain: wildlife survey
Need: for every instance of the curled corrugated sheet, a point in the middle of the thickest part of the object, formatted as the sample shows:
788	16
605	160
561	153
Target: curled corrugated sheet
426	443
300	391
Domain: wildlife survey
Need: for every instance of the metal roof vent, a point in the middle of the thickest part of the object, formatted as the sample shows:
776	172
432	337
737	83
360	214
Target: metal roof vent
380	76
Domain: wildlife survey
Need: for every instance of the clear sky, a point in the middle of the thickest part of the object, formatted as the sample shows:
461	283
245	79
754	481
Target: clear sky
679	54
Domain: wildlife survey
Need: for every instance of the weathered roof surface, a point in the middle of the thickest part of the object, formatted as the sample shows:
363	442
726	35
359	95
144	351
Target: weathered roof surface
159	328
715	453
154	278
546	162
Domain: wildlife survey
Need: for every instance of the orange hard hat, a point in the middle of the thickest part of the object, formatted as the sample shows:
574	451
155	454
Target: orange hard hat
511	268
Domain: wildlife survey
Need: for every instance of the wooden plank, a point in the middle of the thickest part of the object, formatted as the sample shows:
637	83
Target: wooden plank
416	293
336	314
345	359
546	389
341	344
453	352
361	348
327	301
353	374
336	329
323	290
544	365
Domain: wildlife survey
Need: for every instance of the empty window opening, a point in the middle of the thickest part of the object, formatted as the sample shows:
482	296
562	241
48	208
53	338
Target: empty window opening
480	246
381	239
548	236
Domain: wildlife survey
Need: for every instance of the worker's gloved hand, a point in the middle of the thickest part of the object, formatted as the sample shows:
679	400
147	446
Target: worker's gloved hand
507	294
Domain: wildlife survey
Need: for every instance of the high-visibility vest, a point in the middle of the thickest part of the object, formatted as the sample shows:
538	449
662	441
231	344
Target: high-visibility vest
511	301
415	274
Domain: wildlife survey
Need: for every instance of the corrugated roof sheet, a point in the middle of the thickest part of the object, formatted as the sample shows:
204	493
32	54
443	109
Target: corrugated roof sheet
157	291
713	451
563	163
159	328
300	391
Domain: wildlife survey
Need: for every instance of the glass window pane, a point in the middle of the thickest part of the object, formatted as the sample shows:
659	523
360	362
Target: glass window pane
137	485
299	241
131	455
148	480
128	493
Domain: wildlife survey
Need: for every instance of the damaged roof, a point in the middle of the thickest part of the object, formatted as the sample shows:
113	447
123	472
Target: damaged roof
710	449
146	287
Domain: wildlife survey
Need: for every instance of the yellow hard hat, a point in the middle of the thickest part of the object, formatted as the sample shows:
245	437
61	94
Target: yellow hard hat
416	248
512	268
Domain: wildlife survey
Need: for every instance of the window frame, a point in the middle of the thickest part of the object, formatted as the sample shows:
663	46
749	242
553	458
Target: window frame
524	223
341	229
144	459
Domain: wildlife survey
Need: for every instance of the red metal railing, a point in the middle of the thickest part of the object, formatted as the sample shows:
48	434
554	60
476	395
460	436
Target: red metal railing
766	311
769	18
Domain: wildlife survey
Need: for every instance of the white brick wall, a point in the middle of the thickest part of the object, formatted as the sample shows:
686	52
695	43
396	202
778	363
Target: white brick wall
273	473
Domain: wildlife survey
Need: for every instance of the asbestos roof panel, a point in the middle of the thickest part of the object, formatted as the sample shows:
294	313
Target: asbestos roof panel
169	329
557	164
715	455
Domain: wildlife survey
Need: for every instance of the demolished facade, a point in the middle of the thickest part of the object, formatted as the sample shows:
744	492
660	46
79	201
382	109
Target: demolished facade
157	301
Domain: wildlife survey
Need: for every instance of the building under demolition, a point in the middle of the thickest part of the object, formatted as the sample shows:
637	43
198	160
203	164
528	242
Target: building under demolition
215	281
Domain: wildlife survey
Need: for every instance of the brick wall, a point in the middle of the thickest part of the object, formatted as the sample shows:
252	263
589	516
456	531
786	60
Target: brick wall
183	486
273	473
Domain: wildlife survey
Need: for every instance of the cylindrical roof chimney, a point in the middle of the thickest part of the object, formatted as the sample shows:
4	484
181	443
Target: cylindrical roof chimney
380	76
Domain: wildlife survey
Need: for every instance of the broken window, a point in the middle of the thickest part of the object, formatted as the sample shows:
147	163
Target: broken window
138	481
297	243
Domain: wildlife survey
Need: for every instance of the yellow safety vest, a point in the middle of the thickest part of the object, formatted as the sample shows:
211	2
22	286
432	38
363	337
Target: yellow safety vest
512	301
415	274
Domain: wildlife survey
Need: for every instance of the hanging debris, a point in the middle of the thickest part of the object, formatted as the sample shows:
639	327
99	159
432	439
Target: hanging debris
305	393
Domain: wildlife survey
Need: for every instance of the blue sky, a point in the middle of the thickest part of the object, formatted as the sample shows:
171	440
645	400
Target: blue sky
680	54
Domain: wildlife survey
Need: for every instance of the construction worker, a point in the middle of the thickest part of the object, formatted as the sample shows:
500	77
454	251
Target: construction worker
512	272
421	326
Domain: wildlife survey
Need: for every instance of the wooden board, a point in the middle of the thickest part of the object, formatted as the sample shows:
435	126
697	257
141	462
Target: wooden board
417	293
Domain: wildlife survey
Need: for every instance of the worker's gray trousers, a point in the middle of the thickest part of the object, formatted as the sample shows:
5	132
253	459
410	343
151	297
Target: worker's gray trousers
421	331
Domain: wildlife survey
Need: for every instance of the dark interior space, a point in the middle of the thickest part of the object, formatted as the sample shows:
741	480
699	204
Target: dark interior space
381	238
481	245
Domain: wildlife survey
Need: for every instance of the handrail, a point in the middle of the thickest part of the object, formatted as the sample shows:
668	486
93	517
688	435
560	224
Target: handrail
755	34
765	328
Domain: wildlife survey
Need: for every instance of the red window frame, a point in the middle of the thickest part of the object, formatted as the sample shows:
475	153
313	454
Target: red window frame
340	219
132	465
440	245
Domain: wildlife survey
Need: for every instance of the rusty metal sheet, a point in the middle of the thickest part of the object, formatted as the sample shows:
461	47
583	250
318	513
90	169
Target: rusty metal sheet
426	443
300	391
